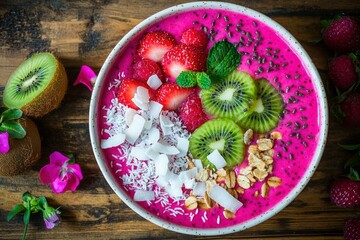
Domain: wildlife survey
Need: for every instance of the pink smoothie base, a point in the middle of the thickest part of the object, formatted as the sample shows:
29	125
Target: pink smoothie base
286	66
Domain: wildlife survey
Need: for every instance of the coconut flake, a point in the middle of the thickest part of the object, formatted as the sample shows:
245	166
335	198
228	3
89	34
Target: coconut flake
150	153
153	135
166	149
198	163
133	132
141	195
154	82
113	141
188	174
183	146
155	109
161	165
129	115
166	125
139	153
224	198
216	159
199	189
141	98
189	184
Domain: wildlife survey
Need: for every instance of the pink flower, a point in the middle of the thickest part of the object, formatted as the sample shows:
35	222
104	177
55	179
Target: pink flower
4	142
86	76
60	174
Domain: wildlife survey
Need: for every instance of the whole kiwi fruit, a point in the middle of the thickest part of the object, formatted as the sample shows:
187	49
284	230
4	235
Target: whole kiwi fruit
37	86
24	152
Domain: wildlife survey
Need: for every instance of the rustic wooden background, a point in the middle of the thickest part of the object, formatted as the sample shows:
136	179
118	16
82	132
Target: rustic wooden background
84	32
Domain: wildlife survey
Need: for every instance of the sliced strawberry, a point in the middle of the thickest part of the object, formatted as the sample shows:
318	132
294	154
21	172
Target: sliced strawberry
155	44
171	95
127	90
194	37
181	58
192	114
145	68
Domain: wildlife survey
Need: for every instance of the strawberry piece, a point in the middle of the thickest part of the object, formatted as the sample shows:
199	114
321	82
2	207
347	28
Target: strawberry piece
342	72
352	229
127	90
343	35
182	58
145	68
192	114
194	37
350	108
345	192
155	44
171	95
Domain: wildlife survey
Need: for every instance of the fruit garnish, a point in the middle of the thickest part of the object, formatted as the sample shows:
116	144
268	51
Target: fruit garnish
352	229
219	134
145	68
342	72
231	97
182	58
194	37
9	123
348	110
191	113
171	95
191	79
19	158
155	44
263	114
222	60
127	90
37	86
86	76
342	34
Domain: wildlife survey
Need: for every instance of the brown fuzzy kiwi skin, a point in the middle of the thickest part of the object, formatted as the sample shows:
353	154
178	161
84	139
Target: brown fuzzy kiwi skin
52	95
23	153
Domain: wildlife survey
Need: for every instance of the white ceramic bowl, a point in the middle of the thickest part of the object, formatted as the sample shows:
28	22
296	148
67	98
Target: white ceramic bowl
104	72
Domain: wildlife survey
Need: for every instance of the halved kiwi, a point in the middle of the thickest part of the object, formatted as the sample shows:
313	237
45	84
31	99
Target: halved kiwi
221	134
231	97
264	112
23	153
37	86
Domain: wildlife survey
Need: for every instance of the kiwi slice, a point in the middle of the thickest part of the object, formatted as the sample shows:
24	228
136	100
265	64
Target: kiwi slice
221	134
37	86
264	112
23	153
231	97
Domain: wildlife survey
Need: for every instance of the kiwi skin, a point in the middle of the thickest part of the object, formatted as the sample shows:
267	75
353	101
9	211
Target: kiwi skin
51	97
23	153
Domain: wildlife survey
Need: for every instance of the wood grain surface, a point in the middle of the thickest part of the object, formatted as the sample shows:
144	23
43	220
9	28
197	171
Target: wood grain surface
84	32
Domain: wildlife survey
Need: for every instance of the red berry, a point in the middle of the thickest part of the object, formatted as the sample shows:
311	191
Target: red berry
342	72
345	193
155	44
127	90
194	37
192	114
171	95
352	229
351	109
182	58
343	35
145	68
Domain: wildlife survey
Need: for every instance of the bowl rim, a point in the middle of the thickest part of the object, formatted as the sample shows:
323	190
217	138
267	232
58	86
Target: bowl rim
291	41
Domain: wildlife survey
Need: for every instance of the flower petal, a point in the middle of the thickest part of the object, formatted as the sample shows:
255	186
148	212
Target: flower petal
73	182
49	173
59	185
58	159
4	143
76	170
86	76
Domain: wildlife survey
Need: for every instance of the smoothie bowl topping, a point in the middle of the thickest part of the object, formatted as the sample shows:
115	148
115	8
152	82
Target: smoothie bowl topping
208	119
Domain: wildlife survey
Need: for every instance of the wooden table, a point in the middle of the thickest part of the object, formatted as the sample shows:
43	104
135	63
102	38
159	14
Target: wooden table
84	32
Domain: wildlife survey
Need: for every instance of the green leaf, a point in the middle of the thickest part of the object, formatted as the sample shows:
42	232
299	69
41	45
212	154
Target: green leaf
16	210
203	80
350	146
26	220
186	79
354	161
223	58
11	114
71	157
14	129
353	175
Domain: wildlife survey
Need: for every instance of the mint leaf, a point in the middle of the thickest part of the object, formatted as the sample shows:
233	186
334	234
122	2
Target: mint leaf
222	60
14	129
203	80
186	79
11	114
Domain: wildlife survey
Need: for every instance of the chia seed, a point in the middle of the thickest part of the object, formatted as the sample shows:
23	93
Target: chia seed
303	118
288	76
219	15
287	90
302	108
310	137
304	143
249	61
298	136
195	22
204	16
297	76
293	111
226	18
275	78
255	24
288	143
285	149
288	124
304	126
291	156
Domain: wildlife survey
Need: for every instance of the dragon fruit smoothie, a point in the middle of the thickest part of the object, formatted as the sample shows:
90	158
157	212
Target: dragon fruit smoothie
264	55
